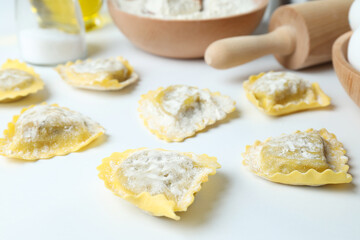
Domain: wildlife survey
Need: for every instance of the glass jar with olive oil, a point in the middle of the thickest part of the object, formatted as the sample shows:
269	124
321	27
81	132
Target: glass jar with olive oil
54	11
90	10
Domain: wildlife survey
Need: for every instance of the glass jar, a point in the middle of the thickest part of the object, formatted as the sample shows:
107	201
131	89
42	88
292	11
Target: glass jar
90	10
50	31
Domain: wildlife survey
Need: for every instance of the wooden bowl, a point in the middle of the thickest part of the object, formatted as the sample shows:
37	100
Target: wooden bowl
348	76
183	38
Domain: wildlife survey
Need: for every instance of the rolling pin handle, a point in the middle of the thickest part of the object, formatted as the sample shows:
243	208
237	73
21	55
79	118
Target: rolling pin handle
231	52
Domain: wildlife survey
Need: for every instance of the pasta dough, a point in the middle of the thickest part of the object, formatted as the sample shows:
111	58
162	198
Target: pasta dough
18	80
45	131
101	74
279	93
301	158
158	181
179	111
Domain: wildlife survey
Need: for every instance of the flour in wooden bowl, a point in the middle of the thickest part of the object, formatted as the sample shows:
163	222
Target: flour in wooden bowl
186	9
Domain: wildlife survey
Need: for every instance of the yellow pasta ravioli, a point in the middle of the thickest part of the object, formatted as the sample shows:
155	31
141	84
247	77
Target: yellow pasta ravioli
45	131
177	112
301	158
279	93
158	181
101	74
18	80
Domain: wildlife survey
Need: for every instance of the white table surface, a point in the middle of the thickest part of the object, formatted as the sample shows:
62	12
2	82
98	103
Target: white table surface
62	198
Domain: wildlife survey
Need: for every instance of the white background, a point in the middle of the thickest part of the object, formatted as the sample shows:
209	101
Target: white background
62	198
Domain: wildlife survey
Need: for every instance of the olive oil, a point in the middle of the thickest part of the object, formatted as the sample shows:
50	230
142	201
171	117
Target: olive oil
90	10
57	13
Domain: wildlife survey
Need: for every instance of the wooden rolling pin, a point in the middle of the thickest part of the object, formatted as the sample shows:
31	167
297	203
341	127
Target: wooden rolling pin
300	35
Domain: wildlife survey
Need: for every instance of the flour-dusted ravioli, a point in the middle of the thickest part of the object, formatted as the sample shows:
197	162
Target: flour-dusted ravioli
301	158
279	93
178	111
18	80
158	181
101	74
45	131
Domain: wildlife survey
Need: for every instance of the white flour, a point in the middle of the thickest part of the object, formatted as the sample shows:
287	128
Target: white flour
43	122
280	85
45	131
304	146
160	172
183	110
186	9
181	97
299	147
99	66
14	79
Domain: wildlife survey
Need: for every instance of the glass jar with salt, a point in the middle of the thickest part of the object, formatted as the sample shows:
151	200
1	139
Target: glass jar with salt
50	31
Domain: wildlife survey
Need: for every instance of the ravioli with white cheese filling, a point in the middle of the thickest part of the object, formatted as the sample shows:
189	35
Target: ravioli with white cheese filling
18	80
45	131
279	93
177	112
101	74
301	158
158	181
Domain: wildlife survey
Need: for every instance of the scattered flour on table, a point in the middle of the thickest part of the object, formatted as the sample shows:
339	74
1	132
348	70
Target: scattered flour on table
186	9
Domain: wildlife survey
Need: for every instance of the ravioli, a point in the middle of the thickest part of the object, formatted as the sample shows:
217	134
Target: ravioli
279	93
313	157
101	74
45	131
18	80
158	181
179	111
